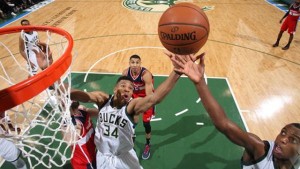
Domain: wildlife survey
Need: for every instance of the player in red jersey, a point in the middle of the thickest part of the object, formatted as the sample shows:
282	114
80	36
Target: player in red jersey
290	23
85	150
143	85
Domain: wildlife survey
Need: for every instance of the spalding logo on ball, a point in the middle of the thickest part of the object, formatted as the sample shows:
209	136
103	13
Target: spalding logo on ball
183	28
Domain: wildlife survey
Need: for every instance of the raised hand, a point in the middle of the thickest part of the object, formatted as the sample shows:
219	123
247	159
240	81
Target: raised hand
186	65
175	58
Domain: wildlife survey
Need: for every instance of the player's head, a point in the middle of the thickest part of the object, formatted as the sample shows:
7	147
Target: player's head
25	22
124	89
287	143
135	63
74	106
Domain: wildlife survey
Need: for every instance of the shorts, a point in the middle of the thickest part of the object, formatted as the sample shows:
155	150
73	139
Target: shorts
148	114
127	160
83	166
289	25
32	58
9	150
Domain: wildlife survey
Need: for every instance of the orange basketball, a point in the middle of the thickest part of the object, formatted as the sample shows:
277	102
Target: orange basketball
183	28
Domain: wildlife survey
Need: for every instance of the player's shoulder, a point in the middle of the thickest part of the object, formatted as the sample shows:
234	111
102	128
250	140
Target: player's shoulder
124	73
145	70
146	73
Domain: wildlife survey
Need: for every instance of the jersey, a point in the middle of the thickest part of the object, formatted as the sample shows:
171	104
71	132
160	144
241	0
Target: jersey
294	11
85	149
31	40
9	151
290	23
140	91
138	83
265	162
31	43
114	130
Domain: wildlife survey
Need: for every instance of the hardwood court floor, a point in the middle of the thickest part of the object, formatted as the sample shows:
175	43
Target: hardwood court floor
265	80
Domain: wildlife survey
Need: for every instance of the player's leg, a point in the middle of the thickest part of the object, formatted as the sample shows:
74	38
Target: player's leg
104	161
287	46
278	38
11	153
33	65
291	31
146	122
283	28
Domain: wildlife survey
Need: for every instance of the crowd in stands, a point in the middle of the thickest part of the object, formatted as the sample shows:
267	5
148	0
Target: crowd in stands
10	8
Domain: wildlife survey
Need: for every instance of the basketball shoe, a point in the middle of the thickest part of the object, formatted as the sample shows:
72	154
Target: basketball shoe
146	153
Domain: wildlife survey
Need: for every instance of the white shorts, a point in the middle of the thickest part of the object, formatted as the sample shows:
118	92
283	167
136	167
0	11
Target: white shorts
9	151
125	161
32	58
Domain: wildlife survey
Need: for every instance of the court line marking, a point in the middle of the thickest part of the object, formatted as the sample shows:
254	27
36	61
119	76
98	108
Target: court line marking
122	50
246	111
237	105
156	119
181	112
199	124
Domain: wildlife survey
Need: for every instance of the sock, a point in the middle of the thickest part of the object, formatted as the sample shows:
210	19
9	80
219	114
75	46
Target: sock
148	141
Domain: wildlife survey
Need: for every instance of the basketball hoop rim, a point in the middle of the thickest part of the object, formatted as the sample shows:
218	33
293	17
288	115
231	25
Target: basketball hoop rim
27	89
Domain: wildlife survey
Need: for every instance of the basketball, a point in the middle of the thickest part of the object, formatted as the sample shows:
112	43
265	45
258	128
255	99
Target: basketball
183	28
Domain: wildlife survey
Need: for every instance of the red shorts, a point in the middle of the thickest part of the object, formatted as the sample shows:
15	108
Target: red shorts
290	25
147	115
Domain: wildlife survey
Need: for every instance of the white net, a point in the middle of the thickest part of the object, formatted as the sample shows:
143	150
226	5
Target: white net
41	127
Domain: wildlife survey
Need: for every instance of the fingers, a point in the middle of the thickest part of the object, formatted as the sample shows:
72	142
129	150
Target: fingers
177	60
198	56
169	54
182	58
202	56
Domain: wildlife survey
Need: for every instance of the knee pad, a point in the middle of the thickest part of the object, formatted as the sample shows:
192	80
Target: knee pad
147	127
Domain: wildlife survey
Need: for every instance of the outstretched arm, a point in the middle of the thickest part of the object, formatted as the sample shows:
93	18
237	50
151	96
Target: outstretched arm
286	14
22	47
92	111
97	97
195	72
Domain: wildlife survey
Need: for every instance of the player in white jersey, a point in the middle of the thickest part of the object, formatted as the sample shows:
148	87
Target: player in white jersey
34	51
8	150
114	129
283	153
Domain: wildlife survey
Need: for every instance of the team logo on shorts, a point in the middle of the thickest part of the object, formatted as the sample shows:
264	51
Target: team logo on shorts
154	5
